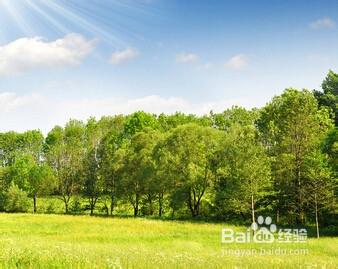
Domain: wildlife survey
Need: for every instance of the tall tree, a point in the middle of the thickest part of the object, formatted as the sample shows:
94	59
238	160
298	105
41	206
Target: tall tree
32	177
138	168
94	181
292	127
320	185
329	96
112	154
65	151
243	172
189	150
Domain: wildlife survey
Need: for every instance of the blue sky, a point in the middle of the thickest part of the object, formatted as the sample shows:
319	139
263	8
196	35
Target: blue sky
73	59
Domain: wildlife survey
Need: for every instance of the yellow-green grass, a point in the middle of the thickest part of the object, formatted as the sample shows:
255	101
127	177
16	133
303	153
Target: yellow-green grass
57	241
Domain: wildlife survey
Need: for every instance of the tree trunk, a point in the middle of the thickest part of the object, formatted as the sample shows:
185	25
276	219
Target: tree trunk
136	205
316	209
66	202
135	211
92	202
253	211
172	213
112	205
151	207
160	200
194	202
34	202
107	209
196	209
300	217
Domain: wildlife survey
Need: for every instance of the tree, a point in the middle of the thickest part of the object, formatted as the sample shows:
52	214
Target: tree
168	122
329	96
235	115
94	182
189	150
137	121
243	172
112	154
330	147
320	185
32	177
65	152
292	127
41	182
16	200
138	168
9	145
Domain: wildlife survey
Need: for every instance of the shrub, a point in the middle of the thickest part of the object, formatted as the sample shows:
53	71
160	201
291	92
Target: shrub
16	200
76	206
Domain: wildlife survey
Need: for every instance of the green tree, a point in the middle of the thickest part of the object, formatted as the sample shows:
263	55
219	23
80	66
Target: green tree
235	115
292	127
41	182
137	121
329	96
243	172
16	200
189	149
65	152
138	168
94	181
32	177
112	154
320	185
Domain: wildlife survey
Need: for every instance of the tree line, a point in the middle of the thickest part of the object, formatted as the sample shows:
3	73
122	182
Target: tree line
280	159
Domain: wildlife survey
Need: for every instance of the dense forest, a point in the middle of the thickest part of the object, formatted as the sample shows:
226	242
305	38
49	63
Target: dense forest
279	160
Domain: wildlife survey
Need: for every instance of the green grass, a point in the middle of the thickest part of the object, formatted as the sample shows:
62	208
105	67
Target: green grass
56	241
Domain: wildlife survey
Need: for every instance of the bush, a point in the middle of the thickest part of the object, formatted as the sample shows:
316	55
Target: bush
51	207
76	206
16	200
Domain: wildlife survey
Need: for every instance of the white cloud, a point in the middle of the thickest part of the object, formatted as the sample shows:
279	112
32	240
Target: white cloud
237	62
25	54
186	58
122	56
34	111
324	23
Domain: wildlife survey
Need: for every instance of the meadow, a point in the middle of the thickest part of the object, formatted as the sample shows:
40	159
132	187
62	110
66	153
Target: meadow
60	241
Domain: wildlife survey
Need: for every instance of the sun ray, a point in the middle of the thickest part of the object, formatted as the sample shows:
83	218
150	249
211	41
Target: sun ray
17	16
46	16
81	22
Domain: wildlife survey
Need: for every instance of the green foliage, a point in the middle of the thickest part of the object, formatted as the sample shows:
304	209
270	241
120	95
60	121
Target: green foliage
329	96
187	153
137	121
222	165
292	128
243	172
234	116
16	200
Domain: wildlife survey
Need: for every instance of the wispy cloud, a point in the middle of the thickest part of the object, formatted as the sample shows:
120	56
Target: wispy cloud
122	56
323	23
237	62
25	54
186	58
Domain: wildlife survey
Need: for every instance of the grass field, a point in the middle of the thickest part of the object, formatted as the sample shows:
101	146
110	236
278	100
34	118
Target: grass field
56	241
